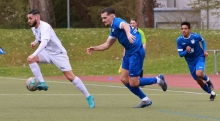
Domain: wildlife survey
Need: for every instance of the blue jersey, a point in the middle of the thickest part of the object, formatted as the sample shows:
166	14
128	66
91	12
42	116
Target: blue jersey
120	34
194	42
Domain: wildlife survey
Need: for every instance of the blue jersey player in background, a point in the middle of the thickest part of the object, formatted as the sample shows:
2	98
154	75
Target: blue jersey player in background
188	46
133	59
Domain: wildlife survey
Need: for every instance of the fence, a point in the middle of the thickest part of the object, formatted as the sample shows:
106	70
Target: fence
215	60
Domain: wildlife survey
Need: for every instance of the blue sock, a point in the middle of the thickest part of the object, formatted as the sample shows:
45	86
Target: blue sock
207	89
205	78
136	91
147	81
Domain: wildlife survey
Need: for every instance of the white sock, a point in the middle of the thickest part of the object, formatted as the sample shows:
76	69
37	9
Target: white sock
158	80
207	79
79	84
145	99
36	71
212	93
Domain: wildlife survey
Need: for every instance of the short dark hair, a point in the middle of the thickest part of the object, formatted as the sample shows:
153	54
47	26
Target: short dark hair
108	10
133	19
34	11
185	23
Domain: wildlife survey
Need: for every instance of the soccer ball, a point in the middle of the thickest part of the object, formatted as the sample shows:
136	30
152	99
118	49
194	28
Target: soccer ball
32	83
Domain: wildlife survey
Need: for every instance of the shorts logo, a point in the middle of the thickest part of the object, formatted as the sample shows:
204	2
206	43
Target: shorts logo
200	67
62	68
183	43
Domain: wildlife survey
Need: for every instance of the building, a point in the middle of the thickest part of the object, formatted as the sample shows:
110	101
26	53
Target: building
173	12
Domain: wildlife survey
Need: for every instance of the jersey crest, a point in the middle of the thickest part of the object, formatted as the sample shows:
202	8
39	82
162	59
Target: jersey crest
192	41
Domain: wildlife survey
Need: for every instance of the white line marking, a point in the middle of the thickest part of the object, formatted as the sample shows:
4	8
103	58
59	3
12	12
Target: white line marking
83	95
98	85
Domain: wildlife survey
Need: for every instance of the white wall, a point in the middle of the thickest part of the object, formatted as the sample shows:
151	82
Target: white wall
214	22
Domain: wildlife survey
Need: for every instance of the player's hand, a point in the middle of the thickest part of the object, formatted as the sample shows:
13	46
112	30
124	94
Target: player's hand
206	54
30	58
90	50
131	38
33	44
188	48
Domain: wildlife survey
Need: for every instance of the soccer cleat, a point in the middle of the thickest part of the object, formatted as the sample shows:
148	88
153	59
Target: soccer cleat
210	85
212	97
90	101
144	104
42	86
162	83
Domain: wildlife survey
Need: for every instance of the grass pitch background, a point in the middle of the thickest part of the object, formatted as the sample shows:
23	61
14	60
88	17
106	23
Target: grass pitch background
63	102
161	57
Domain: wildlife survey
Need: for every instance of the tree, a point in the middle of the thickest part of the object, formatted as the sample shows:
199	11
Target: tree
145	13
207	5
13	13
46	10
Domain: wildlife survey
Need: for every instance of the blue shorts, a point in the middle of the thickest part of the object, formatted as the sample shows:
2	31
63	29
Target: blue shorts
199	65
134	63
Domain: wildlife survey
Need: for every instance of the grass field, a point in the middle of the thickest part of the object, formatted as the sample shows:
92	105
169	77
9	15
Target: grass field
63	102
161	57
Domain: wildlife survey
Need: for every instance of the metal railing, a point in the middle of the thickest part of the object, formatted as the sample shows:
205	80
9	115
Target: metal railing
215	60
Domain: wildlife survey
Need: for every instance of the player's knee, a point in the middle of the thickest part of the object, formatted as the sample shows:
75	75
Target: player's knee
124	80
199	74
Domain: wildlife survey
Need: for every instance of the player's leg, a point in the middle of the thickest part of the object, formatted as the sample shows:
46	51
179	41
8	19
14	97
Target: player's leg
80	86
135	68
200	65
208	81
41	57
198	75
135	90
141	75
62	62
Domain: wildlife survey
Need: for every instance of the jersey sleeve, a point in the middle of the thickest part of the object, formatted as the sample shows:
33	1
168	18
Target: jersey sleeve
35	35
45	34
179	46
115	25
180	49
201	39
143	38
45	37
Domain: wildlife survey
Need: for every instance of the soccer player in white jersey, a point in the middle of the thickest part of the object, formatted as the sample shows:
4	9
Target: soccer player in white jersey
51	50
188	46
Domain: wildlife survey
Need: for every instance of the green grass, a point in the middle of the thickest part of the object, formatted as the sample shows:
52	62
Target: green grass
161	57
63	102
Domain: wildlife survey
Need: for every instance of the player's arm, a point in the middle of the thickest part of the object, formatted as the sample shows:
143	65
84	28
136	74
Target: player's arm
34	43
103	46
180	50
126	27
44	40
204	46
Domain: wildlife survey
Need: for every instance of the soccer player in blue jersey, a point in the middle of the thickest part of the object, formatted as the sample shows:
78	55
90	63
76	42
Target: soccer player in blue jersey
188	46
133	59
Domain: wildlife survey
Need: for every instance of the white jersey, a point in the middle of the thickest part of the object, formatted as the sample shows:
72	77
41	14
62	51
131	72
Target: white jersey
48	39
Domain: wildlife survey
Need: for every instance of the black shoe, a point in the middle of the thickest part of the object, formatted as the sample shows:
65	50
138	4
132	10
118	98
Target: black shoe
212	97
210	84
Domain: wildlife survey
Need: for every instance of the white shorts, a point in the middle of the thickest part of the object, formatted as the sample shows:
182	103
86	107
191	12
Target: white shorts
60	60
